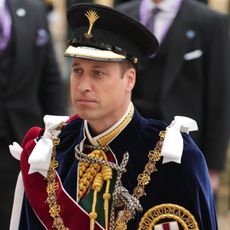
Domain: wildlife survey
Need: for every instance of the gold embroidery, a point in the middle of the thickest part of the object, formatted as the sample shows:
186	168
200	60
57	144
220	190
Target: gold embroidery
92	17
108	137
167	212
154	156
121	225
143	179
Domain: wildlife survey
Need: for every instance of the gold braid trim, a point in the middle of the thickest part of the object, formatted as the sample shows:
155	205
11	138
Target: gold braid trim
107	176
87	173
108	137
97	174
97	186
143	179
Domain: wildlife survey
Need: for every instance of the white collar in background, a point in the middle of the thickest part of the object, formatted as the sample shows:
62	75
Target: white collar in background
168	6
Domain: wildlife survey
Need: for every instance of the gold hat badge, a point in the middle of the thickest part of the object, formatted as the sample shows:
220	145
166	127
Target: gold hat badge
92	17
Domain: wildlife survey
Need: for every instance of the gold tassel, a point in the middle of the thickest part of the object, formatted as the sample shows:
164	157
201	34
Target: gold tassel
97	186
107	175
87	173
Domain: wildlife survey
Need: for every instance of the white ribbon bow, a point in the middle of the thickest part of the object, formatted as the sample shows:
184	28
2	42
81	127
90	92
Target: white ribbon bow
39	162
15	150
172	148
40	157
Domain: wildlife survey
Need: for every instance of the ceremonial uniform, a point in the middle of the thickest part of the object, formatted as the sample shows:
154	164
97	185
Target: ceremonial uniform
136	173
185	184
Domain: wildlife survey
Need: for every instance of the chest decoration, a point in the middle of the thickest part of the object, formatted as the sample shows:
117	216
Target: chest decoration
121	198
168	216
52	187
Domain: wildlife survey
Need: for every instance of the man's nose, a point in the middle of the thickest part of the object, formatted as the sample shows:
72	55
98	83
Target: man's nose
84	83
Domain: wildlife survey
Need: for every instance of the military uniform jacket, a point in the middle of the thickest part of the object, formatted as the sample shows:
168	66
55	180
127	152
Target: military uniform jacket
186	184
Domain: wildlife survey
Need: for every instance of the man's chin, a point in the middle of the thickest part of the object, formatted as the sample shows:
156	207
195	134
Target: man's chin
87	115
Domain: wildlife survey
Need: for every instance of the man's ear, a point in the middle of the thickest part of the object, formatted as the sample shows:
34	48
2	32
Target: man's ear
131	78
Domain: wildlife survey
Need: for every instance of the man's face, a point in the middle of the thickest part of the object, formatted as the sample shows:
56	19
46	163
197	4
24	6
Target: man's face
100	91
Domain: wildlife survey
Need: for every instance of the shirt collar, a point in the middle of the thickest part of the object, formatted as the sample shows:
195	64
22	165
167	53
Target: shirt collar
167	6
107	136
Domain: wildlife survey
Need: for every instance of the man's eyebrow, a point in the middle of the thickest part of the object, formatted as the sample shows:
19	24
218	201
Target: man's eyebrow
97	66
75	64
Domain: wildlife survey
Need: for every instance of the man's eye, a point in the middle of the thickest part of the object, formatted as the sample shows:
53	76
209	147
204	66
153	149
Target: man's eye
77	71
98	73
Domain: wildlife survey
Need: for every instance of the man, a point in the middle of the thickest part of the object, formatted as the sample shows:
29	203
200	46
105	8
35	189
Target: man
97	170
30	84
189	75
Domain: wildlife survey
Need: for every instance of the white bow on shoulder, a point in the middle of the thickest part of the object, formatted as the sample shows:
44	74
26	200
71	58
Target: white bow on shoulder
39	162
40	157
172	148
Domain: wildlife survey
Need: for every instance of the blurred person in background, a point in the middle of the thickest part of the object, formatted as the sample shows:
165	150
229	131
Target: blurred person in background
30	84
121	1
190	73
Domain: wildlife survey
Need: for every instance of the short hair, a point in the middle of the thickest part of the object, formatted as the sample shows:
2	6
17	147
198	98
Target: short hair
125	65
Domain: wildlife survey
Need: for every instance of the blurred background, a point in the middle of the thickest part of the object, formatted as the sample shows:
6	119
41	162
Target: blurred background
59	30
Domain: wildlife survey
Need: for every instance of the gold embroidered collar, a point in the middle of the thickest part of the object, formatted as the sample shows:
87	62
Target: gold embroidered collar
107	136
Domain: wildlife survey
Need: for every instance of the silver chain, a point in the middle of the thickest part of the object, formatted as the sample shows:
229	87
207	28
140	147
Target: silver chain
80	156
121	196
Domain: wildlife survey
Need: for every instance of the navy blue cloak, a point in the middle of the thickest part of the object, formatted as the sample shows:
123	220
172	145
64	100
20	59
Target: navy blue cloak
186	184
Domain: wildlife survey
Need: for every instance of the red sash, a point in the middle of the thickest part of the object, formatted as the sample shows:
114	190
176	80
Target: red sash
73	215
